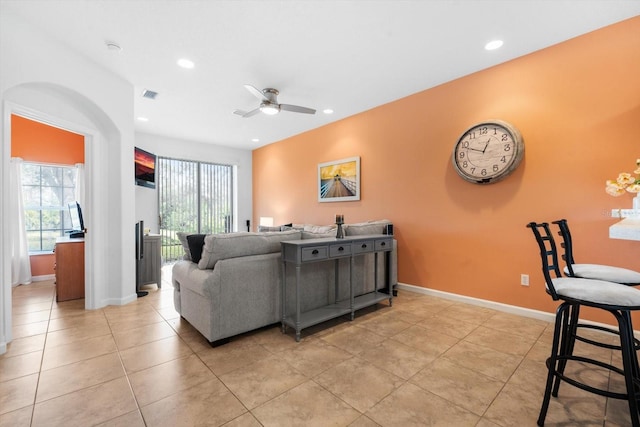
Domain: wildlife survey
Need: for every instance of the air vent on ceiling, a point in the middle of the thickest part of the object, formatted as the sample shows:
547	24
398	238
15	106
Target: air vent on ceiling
149	94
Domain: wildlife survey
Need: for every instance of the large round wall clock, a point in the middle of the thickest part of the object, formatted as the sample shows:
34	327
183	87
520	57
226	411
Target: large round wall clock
487	152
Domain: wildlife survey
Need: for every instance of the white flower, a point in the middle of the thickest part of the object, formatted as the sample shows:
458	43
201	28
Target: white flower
625	183
614	189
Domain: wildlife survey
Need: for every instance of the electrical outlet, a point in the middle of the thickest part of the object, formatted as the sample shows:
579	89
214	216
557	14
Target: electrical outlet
524	279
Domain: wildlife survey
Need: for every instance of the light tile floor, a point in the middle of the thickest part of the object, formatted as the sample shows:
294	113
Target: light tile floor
424	361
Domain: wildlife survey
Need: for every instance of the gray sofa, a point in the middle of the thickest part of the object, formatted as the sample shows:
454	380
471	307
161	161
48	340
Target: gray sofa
235	286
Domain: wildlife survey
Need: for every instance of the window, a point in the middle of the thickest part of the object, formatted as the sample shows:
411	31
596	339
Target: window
47	190
193	197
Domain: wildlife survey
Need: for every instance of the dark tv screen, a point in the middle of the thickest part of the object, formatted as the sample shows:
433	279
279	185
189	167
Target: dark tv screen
145	168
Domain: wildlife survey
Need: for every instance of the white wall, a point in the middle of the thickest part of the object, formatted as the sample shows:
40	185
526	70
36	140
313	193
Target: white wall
147	199
51	83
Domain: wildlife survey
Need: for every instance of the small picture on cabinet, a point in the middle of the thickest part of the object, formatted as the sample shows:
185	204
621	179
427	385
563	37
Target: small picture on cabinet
339	181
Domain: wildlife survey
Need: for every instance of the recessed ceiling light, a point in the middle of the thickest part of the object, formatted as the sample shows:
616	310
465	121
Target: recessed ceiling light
492	45
327	111
255	140
143	119
186	63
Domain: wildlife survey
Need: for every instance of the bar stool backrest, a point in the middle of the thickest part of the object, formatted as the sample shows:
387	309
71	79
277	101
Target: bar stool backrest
566	244
548	254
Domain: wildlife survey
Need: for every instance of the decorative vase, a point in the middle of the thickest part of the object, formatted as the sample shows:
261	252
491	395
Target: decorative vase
339	222
636	202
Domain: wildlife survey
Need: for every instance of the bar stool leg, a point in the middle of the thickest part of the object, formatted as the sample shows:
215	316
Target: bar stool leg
629	363
569	332
559	332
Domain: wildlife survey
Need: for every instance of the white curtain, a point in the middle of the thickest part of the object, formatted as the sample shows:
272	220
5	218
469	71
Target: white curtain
20	265
79	193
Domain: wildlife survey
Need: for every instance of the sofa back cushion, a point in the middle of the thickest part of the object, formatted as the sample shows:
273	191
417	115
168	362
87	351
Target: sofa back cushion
233	245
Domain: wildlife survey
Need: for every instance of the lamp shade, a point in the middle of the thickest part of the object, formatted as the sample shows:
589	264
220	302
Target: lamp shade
266	221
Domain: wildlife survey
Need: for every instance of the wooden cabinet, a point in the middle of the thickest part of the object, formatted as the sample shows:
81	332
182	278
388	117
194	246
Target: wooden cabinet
69	269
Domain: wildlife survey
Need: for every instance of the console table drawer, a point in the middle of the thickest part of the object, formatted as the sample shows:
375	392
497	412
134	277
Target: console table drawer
340	250
314	253
363	247
384	244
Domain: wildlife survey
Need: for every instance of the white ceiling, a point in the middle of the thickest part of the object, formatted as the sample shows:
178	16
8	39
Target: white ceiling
348	55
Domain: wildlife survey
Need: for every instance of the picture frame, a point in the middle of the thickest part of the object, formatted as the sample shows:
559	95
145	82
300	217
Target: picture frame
339	180
144	168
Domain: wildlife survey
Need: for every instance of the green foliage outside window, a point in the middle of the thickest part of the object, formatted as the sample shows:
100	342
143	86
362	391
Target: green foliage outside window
46	192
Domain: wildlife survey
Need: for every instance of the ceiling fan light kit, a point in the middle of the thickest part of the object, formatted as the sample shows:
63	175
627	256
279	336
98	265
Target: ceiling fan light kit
269	109
269	103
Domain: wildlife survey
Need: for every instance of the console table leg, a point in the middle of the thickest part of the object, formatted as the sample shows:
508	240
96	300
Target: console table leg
297	335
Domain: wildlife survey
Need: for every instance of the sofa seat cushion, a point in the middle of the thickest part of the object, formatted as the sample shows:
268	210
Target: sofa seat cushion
233	245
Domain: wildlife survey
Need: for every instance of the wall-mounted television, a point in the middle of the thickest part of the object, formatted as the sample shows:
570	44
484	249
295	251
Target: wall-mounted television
145	168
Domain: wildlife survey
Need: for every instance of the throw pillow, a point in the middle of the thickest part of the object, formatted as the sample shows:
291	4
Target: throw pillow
185	245
196	242
364	228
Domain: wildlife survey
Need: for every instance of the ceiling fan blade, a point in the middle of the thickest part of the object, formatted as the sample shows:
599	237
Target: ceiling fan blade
256	92
297	109
245	113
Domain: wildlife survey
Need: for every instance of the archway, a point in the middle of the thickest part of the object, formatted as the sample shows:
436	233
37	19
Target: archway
61	107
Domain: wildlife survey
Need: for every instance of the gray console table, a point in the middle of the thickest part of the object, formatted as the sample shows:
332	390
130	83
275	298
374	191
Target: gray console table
300	252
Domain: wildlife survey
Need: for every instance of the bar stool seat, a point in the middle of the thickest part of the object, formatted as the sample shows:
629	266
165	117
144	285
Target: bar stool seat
597	292
605	272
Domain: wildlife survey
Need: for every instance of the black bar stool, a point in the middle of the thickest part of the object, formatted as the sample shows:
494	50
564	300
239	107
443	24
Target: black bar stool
574	292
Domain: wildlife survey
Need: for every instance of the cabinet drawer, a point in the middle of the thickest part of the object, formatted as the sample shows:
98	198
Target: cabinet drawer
384	244
314	252
363	246
340	250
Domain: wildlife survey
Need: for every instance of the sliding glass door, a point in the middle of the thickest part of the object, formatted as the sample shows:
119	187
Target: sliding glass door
194	197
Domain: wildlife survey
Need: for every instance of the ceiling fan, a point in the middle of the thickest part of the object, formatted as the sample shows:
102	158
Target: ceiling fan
269	103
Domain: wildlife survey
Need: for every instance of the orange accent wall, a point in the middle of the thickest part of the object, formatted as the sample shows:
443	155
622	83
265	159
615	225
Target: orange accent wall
577	105
37	142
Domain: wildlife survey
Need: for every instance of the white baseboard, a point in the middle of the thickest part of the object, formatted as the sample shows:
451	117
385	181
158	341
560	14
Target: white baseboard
119	301
43	278
506	308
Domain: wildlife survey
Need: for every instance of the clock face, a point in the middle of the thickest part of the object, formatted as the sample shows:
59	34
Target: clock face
488	152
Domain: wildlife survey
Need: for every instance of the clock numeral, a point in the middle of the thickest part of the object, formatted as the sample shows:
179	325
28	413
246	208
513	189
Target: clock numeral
507	147
472	135
496	168
483	130
503	159
461	154
505	137
483	172
473	170
495	131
